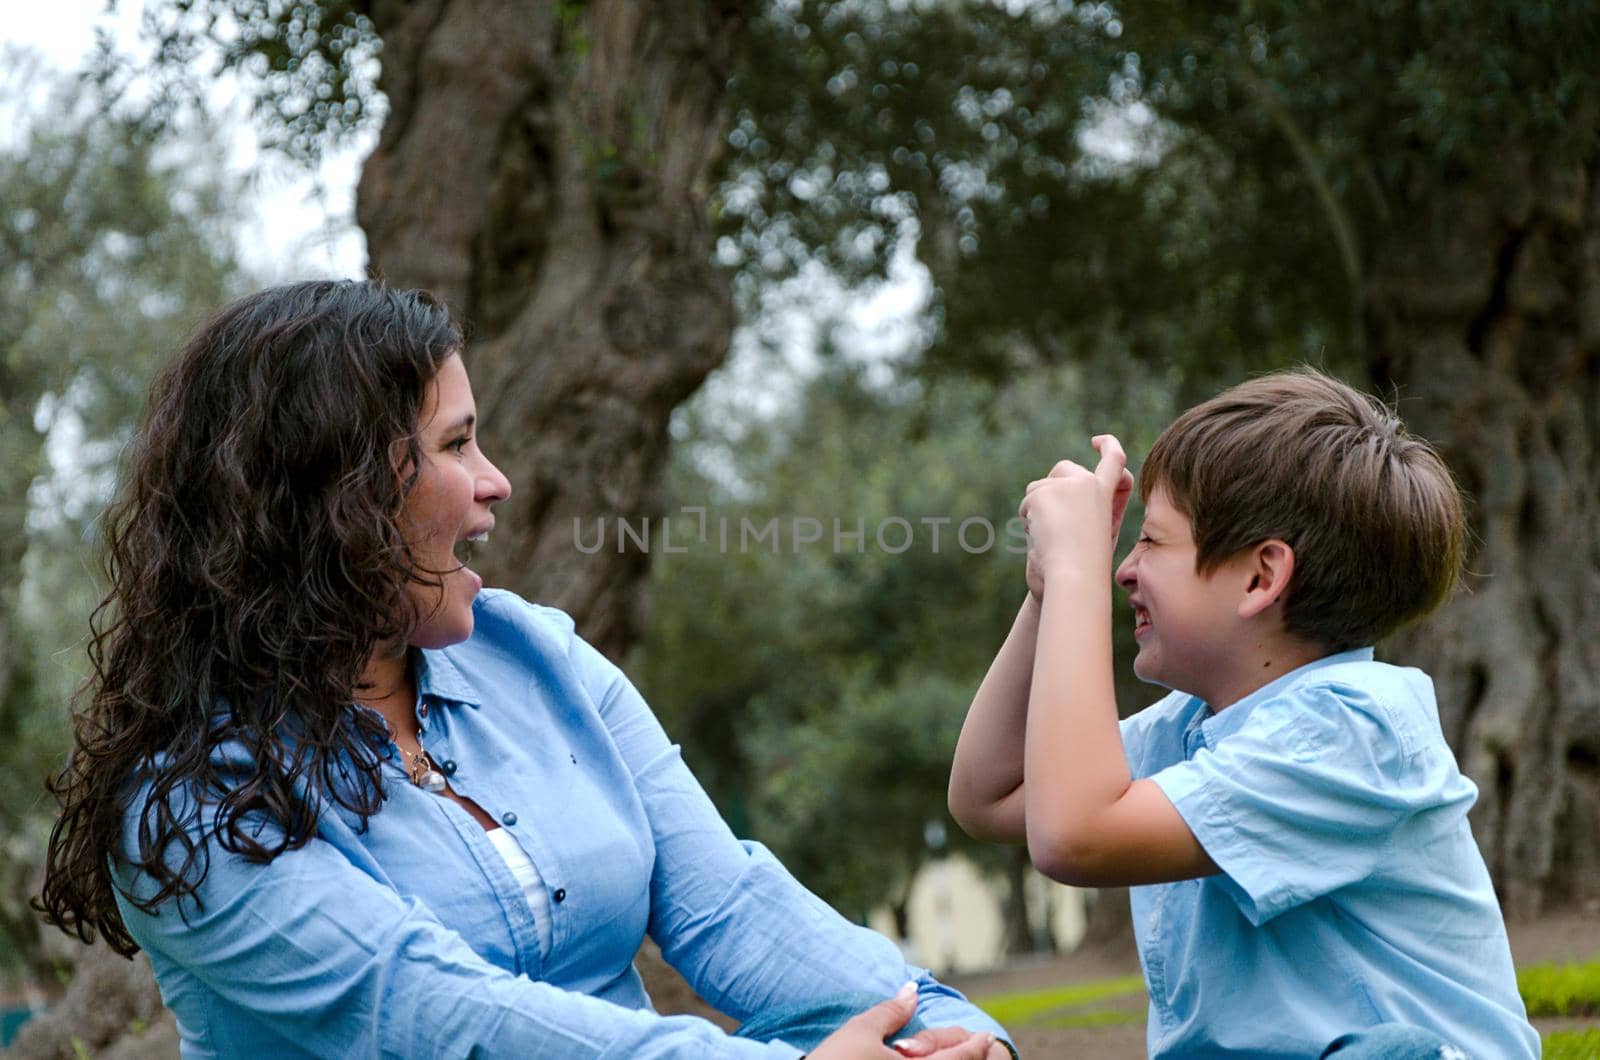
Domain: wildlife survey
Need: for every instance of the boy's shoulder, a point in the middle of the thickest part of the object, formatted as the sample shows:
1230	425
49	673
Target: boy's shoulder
1359	696
1347	702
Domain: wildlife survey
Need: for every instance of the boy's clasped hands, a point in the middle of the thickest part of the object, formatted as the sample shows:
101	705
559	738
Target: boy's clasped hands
1067	512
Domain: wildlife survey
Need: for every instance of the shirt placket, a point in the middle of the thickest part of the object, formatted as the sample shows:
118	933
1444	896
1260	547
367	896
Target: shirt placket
434	736
1194	740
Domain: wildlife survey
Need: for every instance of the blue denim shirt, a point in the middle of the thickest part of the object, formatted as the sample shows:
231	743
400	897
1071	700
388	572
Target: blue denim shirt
1351	893
412	939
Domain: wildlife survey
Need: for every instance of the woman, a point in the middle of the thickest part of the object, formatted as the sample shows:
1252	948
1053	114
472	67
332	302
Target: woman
348	803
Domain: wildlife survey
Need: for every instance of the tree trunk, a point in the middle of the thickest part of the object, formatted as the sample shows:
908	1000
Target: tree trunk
1018	932
544	167
1484	315
1108	926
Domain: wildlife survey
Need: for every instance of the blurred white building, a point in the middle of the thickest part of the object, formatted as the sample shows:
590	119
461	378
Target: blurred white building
954	917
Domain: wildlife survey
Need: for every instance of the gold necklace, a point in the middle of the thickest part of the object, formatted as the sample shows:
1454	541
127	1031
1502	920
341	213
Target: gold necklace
421	770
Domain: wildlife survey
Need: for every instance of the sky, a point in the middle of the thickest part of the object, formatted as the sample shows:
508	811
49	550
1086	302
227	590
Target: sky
296	224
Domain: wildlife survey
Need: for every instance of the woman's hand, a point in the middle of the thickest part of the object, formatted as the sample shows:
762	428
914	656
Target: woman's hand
861	1037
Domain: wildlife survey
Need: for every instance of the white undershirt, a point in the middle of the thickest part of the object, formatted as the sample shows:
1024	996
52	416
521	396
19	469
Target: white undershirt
526	873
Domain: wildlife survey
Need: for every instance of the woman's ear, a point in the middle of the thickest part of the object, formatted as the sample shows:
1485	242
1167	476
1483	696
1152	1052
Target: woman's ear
1271	565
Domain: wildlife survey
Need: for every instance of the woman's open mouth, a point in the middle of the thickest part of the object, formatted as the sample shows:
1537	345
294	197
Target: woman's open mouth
466	549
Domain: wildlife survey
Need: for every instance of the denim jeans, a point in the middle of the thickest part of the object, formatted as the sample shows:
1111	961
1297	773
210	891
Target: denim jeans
1393	1041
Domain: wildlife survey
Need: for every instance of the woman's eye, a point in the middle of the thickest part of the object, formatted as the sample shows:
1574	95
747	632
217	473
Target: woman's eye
460	444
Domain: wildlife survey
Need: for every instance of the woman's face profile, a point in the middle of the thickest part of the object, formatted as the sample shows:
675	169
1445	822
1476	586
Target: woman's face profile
455	487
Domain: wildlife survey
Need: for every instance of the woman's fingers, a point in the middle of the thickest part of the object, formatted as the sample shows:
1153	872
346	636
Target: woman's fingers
927	1042
974	1048
886	1017
861	1036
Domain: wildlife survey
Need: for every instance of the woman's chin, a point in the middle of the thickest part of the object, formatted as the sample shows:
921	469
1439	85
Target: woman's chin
447	612
443	632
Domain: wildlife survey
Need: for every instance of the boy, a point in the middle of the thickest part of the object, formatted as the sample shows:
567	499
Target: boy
1291	810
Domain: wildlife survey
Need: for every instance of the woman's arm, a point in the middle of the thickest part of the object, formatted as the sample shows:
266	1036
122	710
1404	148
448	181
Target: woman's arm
744	933
986	793
335	963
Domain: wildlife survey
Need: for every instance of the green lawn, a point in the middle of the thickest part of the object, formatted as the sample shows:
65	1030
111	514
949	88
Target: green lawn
1556	990
1561	989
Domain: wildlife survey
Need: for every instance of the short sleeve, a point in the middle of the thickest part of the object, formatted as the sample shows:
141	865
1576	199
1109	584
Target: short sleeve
1304	798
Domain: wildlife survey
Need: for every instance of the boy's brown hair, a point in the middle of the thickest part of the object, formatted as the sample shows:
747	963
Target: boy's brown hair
1373	515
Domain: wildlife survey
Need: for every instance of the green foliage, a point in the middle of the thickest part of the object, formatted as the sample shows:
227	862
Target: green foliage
819	691
310	64
1248	161
111	246
1561	989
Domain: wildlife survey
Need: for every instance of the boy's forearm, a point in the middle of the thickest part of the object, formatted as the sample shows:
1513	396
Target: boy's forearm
1074	762
988	767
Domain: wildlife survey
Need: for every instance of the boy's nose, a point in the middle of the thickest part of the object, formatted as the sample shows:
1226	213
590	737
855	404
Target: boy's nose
1125	576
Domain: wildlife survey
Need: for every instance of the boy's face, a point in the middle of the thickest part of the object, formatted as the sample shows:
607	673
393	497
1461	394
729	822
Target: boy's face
1187	624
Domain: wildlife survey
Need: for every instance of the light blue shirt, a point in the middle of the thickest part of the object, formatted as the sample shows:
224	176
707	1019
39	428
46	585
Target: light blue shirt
1351	893
412	938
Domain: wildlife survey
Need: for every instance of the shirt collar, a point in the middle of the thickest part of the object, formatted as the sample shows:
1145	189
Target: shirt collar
1217	726
439	677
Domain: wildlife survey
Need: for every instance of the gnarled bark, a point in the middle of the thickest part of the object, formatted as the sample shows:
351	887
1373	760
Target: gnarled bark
1485	315
545	168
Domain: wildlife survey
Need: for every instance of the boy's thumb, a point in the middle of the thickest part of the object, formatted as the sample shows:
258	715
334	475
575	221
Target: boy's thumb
886	1017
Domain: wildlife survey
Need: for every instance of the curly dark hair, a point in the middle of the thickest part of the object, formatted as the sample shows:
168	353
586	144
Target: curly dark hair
255	562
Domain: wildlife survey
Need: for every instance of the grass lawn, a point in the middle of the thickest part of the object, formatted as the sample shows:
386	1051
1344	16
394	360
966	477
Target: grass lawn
1563	999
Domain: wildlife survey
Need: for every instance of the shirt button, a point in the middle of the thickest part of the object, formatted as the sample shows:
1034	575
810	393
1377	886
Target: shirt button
448	766
423	710
508	818
560	895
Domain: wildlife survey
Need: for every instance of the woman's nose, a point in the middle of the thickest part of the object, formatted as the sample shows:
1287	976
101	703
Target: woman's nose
493	486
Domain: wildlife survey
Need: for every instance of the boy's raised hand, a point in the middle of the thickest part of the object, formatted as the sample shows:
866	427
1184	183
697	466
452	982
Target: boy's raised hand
1068	513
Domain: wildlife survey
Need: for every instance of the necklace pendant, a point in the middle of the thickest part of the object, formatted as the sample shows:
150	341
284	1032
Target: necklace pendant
432	781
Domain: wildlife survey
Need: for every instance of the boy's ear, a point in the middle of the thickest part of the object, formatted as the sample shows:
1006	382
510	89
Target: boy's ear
1271	565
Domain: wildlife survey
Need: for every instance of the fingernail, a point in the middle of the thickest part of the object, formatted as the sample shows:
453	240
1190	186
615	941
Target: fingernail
908	991
904	1046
